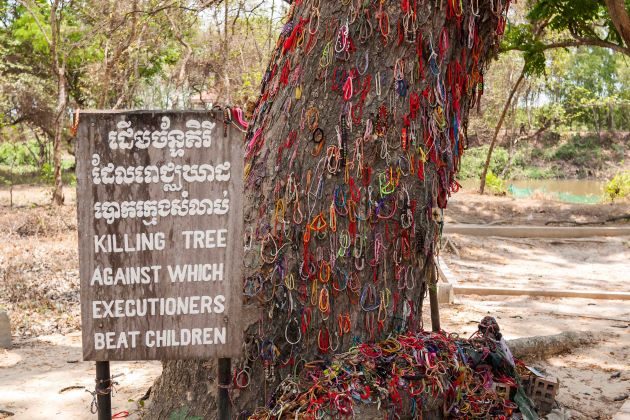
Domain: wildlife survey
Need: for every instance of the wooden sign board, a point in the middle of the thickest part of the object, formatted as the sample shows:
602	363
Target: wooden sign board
160	210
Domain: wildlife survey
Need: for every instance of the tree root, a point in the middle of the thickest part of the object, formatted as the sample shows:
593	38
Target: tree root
544	346
625	217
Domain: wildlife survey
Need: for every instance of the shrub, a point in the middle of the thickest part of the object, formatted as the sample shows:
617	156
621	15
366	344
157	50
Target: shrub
618	187
19	154
581	151
475	158
522	156
567	152
47	174
548	172
494	184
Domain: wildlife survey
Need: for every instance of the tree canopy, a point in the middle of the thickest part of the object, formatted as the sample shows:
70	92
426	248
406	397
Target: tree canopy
551	24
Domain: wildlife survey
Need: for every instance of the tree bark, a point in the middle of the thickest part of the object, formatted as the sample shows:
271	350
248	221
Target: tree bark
227	94
497	129
611	117
349	161
180	80
598	126
111	62
59	69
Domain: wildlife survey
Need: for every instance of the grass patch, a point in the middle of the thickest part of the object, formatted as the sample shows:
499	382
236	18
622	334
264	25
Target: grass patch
32	175
533	172
19	154
16	175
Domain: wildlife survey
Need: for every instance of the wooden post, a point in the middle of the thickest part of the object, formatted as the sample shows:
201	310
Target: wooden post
433	299
223	396
103	391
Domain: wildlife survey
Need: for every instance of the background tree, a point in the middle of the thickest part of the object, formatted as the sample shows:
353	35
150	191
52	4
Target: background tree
553	24
62	55
54	31
350	157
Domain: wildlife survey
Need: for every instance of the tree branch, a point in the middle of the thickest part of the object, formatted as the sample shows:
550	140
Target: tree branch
37	21
577	42
593	42
620	19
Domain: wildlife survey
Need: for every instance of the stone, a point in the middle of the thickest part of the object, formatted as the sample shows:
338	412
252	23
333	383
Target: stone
559	414
624	412
445	293
5	331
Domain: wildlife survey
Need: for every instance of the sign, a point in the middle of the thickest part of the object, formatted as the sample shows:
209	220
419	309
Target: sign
159	201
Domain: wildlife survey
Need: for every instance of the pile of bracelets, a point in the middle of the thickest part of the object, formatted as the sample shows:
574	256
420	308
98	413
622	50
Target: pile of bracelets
402	376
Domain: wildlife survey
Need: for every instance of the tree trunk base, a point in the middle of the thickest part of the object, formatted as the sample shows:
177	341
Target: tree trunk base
185	390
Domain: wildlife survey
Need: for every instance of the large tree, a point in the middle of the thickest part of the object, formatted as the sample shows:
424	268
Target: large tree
350	158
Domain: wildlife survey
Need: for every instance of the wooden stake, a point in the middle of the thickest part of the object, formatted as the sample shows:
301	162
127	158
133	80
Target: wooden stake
433	300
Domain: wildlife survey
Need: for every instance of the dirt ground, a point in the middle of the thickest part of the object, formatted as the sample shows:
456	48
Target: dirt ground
42	376
601	264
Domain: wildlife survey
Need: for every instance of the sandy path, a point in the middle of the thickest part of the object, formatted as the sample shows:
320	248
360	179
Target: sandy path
600	265
36	370
587	389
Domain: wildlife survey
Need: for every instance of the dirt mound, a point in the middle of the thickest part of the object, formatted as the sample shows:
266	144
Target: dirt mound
39	221
470	207
41	297
39	277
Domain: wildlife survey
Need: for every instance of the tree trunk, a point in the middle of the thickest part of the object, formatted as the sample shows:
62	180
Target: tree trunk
58	197
350	157
271	17
598	126
528	98
227	94
497	129
103	98
43	150
611	117
59	69
511	152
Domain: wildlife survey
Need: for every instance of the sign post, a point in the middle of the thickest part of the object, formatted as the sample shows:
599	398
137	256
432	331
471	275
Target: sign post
103	391
223	396
160	238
